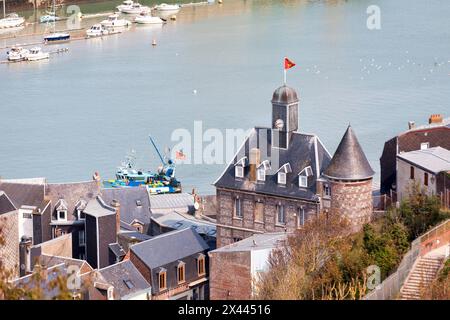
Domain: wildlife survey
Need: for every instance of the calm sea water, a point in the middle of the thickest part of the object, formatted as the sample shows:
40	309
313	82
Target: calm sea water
82	111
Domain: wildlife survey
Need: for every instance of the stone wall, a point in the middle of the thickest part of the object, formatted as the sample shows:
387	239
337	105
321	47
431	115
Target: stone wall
230	275
231	228
354	200
9	250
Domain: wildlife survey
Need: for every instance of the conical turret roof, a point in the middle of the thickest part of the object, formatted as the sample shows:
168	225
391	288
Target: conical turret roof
349	161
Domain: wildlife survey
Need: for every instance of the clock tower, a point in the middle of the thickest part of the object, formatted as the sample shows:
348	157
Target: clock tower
284	116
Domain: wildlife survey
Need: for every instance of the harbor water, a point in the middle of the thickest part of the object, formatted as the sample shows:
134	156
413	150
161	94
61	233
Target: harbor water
83	110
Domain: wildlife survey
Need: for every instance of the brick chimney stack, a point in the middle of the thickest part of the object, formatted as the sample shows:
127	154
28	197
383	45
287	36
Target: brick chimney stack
255	160
435	118
411	125
116	205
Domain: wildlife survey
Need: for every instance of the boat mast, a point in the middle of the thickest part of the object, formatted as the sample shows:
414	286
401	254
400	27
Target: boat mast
156	148
4	8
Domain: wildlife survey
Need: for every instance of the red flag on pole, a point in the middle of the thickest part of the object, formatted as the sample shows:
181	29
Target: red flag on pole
288	64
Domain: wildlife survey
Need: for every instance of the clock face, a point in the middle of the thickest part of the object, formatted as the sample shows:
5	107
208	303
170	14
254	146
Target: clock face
279	124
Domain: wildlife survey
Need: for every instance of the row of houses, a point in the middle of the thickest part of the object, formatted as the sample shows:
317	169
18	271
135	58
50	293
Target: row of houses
127	244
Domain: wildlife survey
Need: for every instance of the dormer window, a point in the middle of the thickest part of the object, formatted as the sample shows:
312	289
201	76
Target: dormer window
261	171
79	207
162	279
239	167
303	177
181	272
201	264
282	173
261	174
424	145
61	211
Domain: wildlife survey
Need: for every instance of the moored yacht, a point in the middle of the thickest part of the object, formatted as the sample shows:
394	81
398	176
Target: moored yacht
49	18
168	7
114	21
17	54
57	37
12	20
125	4
36	54
147	18
135	8
97	30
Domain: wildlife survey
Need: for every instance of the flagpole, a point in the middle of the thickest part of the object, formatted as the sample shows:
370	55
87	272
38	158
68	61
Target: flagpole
284	76
284	71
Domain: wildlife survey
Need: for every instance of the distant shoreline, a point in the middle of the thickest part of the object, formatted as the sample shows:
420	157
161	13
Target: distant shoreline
25	5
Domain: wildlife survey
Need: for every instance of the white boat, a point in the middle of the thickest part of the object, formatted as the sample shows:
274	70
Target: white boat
114	21
36	54
17	54
49	18
125	4
55	37
135	8
11	20
168	7
97	30
146	18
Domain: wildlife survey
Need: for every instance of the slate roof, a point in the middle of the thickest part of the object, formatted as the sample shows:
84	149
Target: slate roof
304	150
6	204
179	221
98	208
349	161
284	95
256	242
169	247
117	250
125	278
49	261
21	194
444	124
435	159
183	202
134	203
135	235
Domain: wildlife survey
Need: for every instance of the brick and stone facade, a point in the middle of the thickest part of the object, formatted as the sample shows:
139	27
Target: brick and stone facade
9	249
222	285
231	228
353	199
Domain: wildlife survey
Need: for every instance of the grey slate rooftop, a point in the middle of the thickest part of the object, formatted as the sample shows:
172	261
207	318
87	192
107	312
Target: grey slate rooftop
179	221
6	204
349	161
28	194
304	150
134	203
435	159
284	95
173	201
169	247
256	242
125	278
98	208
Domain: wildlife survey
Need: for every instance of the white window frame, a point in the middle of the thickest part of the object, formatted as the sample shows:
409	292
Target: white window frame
424	145
282	177
303	181
110	292
301	217
236	207
58	216
261	174
79	212
282	209
239	171
326	191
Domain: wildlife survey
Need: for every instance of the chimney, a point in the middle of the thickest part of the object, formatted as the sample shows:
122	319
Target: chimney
411	125
116	205
24	255
255	160
435	118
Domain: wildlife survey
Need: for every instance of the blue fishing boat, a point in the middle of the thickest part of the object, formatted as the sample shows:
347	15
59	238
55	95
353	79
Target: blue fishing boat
57	37
162	181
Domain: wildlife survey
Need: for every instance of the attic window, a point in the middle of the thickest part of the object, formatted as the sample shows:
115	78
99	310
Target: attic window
129	284
239	171
181	275
303	177
261	174
282	172
281	177
239	167
162	280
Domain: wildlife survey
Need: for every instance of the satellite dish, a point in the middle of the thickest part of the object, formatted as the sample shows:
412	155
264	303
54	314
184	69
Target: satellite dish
279	124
